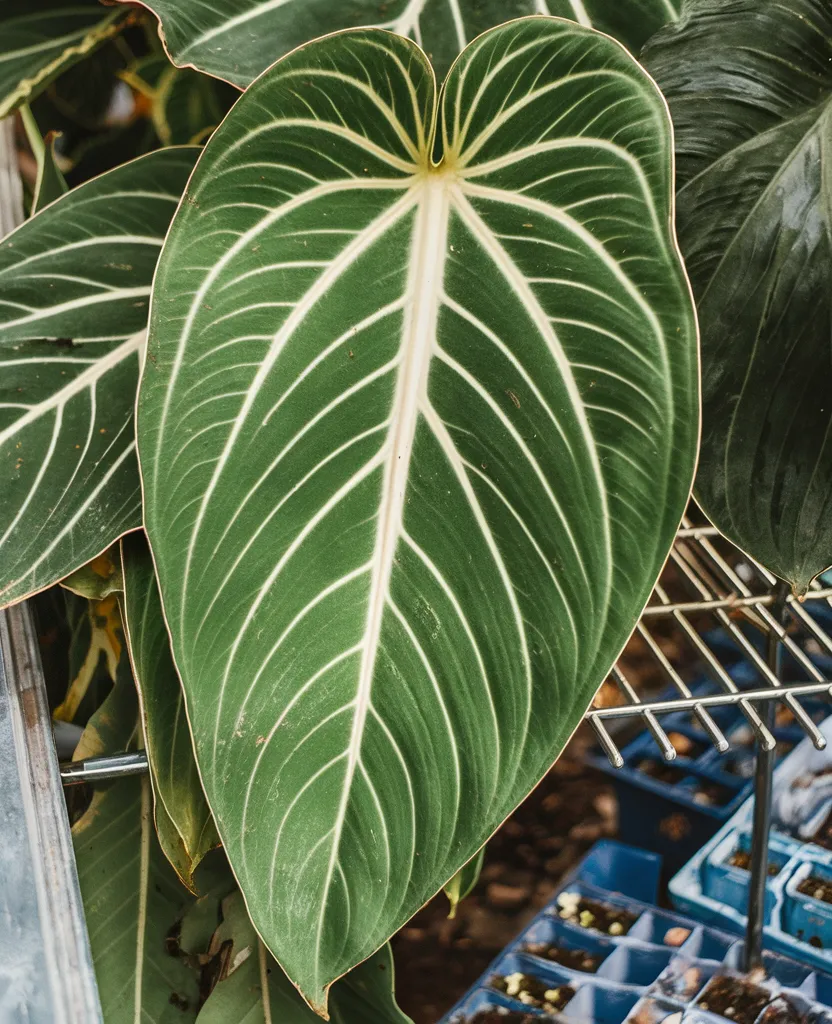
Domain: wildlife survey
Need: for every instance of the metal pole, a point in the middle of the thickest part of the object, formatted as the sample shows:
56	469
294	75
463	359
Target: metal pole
46	970
100	769
762	800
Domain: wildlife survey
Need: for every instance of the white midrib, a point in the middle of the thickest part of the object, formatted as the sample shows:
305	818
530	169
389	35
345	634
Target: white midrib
424	290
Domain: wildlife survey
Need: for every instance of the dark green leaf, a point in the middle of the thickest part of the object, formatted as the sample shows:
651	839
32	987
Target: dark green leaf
416	439
238	39
749	83
81	269
256	990
132	900
41	38
183	820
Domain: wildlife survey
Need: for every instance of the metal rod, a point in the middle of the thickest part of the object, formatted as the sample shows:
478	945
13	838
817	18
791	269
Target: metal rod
768	693
661	611
776	624
100	769
763	776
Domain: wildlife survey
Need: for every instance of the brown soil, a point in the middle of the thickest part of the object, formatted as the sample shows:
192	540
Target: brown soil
817	888
823	836
574	959
712	794
600	917
667	773
531	991
782	1011
495	1017
740	1001
438	959
742	859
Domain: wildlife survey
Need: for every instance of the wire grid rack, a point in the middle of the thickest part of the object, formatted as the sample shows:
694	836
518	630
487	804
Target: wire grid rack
708	585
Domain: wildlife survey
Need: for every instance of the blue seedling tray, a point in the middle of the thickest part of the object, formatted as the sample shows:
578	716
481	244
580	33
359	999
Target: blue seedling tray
640	974
669	815
796	923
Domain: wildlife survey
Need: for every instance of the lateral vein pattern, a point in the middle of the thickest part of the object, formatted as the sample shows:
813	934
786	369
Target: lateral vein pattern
415	439
77	274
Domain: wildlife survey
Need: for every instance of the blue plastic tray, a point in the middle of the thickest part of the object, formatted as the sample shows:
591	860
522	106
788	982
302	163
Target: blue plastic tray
713	891
670	816
641	975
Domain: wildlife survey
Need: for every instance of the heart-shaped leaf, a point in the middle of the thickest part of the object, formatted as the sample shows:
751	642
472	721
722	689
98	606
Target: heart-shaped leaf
415	440
755	225
81	269
42	38
238	39
183	820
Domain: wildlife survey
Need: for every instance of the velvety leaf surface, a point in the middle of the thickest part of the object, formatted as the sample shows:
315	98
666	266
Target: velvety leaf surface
183	820
238	39
81	270
415	441
42	38
749	85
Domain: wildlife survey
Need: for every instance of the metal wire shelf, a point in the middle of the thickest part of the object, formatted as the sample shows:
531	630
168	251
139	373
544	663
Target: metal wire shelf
708	585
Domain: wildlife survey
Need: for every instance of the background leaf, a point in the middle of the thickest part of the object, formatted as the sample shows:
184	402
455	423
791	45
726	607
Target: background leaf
105	644
255	989
185	106
236	40
80	270
132	900
183	820
463	882
99	578
41	38
415	443
755	225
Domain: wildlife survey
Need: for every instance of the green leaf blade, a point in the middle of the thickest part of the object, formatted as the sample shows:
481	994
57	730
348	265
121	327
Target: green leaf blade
81	270
755	225
407	491
132	899
237	40
183	820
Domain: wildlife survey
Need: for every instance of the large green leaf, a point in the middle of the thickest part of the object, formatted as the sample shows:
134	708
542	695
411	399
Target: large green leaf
755	225
238	39
415	440
41	38
256	991
183	820
80	269
132	900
